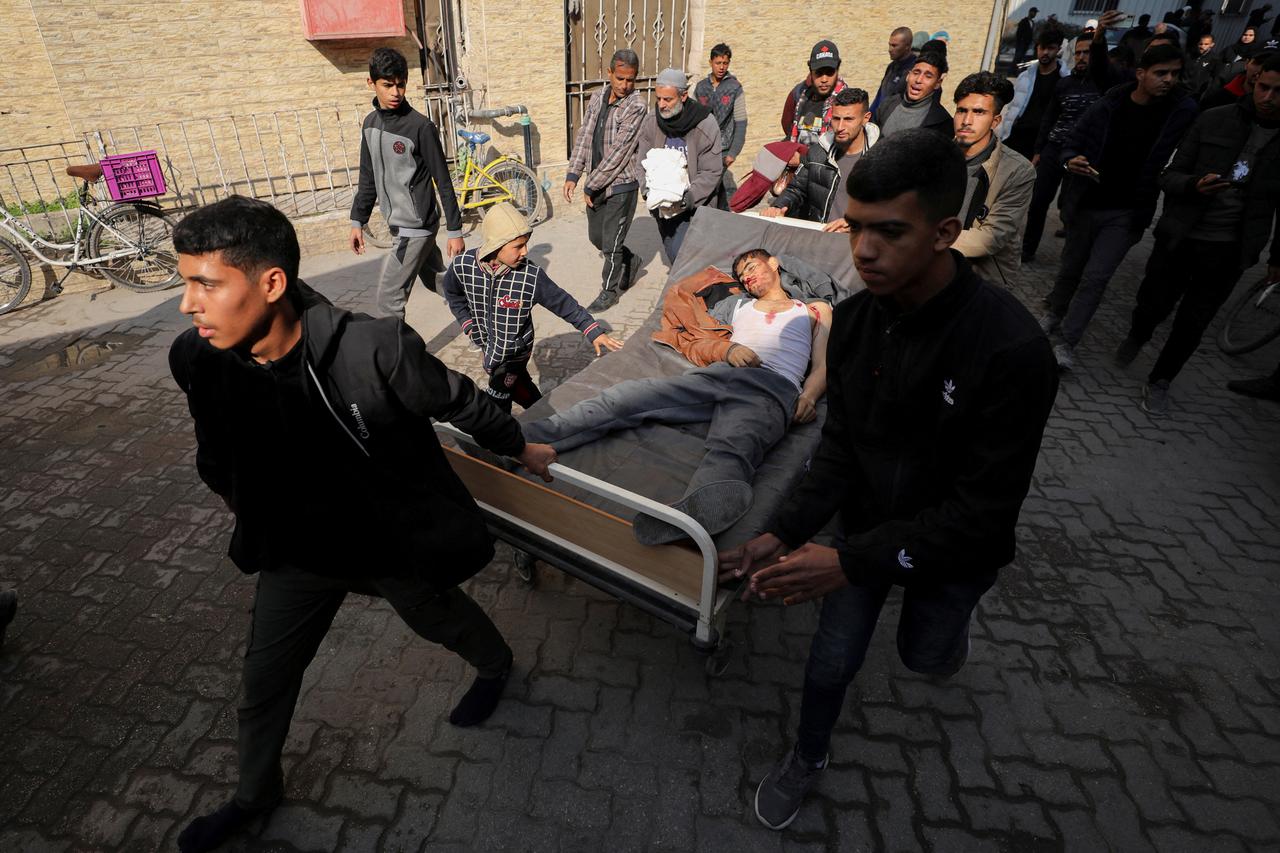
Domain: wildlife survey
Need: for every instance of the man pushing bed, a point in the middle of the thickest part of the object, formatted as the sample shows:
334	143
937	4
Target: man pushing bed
772	374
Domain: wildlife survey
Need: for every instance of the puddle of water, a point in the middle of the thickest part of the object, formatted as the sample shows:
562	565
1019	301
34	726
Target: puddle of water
36	362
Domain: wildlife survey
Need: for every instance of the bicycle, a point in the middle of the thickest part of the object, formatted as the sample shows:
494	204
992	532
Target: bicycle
130	242
1253	320
479	183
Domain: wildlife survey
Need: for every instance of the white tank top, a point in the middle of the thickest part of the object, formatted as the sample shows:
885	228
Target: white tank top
782	339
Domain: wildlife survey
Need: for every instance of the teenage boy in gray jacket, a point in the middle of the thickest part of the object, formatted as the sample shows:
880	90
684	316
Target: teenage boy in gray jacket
402	167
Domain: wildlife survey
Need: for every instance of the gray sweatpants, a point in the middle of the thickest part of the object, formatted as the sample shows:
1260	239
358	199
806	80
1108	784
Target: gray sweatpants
410	258
749	410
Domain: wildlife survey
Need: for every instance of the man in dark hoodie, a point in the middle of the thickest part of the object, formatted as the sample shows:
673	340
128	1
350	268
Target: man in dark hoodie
314	426
939	387
1113	157
721	93
1222	192
918	105
402	168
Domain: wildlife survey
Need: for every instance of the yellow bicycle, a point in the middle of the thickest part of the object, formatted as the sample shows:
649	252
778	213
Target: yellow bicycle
478	183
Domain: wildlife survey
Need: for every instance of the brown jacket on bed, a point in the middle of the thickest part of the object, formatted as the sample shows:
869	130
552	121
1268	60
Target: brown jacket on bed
687	326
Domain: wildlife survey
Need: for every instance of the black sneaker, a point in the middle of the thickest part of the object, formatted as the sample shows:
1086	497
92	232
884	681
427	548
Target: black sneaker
606	300
8	609
1155	398
781	793
1127	352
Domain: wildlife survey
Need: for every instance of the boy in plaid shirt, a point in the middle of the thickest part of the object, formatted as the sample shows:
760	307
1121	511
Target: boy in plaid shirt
491	292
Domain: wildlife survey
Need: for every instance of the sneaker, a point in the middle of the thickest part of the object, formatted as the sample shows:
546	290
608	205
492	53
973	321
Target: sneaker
606	300
1127	352
780	793
1065	355
1050	322
1155	398
8	609
1262	388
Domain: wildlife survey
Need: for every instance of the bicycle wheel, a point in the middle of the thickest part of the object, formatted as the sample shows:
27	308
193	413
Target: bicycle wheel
153	265
1253	320
15	276
522	183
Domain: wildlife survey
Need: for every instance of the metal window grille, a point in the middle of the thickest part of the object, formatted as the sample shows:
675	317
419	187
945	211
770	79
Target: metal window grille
657	30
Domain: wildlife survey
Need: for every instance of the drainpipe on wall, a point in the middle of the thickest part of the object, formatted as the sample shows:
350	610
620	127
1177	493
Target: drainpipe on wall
525	124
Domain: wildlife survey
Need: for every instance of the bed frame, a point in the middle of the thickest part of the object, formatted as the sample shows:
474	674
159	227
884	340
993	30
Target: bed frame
676	583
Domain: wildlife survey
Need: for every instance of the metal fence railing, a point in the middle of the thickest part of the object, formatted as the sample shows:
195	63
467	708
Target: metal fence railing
34	185
302	161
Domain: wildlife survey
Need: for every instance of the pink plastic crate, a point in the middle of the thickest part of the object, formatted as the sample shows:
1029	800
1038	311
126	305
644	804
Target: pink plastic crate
131	176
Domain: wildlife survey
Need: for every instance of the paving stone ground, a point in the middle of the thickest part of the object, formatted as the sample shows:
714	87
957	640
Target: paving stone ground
1123	690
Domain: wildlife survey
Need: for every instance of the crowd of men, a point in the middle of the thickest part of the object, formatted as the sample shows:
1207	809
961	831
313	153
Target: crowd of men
1088	124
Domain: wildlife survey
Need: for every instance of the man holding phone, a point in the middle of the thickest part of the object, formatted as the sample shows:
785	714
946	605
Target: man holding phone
1113	158
1222	190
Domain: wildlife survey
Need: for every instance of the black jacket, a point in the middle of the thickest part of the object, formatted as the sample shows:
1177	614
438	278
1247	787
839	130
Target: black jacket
1089	138
374	390
1213	145
402	167
934	421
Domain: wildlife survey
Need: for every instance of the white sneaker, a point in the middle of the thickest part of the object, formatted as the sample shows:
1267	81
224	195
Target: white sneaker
1065	355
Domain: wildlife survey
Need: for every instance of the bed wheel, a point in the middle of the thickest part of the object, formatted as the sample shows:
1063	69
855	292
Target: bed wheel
718	661
526	567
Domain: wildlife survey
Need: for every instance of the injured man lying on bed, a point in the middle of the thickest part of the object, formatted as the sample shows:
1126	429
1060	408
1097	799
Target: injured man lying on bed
772	373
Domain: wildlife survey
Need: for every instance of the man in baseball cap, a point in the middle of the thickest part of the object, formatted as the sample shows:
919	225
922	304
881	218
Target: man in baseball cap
806	115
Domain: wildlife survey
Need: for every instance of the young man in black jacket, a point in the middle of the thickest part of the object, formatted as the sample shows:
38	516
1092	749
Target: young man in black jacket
1222	193
939	386
314	426
817	193
1113	157
402	168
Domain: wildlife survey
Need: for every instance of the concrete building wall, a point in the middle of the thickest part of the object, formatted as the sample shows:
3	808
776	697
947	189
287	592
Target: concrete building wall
74	66
32	110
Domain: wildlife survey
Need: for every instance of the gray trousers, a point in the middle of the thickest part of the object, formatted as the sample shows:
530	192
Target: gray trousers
1097	241
410	258
607	226
749	410
292	611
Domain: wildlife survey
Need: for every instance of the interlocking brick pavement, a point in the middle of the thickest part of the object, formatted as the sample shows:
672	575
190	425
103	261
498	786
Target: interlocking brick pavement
1123	691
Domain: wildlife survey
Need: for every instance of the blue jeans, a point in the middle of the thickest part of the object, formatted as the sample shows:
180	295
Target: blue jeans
749	410
933	638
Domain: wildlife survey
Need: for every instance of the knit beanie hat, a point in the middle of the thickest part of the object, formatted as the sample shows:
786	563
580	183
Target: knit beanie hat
502	224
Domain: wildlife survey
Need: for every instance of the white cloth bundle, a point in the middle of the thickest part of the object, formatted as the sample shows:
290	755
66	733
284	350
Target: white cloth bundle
666	175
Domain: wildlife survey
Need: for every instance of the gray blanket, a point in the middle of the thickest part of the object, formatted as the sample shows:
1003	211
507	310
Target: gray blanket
656	460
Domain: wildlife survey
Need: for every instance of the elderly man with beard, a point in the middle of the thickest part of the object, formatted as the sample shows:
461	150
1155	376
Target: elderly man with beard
687	126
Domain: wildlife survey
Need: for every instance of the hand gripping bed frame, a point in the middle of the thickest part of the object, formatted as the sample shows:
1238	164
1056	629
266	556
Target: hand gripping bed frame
580	533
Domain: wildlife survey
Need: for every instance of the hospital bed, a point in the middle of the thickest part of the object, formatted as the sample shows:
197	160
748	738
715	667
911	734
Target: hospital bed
580	522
